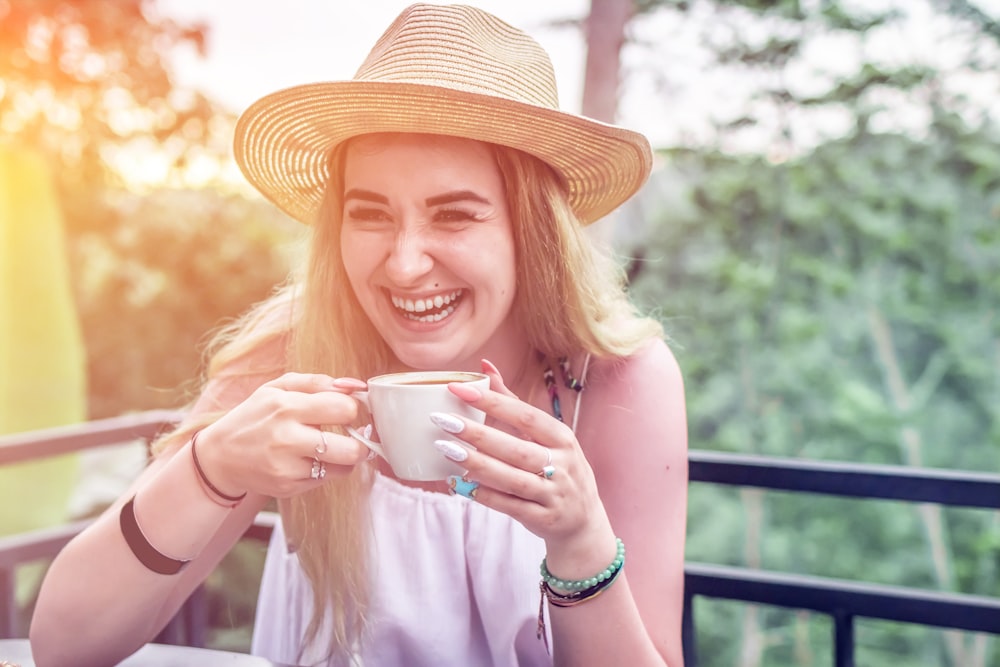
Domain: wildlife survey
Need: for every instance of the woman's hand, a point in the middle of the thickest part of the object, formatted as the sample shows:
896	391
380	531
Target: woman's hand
564	508
268	443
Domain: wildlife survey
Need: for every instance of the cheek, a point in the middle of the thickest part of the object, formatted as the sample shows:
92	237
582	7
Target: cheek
355	256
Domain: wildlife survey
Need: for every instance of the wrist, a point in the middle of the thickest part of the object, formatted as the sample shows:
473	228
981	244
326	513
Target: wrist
580	556
216	489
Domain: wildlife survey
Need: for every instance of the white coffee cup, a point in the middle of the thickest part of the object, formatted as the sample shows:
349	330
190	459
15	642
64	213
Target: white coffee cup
400	405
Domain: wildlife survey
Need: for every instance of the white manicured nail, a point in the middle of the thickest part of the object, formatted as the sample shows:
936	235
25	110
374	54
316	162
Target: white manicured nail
452	449
447	422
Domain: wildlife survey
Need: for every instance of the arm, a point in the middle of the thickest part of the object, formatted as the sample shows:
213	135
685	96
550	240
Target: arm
262	444
633	429
624	474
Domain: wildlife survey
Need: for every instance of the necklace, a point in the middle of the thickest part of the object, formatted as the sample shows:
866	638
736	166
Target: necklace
553	388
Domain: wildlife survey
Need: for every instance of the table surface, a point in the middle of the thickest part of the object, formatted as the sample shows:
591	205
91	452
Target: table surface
18	651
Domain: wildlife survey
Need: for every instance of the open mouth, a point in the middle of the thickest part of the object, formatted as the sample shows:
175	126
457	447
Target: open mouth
429	309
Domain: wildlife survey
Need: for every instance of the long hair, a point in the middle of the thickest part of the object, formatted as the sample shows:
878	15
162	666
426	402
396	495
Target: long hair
570	298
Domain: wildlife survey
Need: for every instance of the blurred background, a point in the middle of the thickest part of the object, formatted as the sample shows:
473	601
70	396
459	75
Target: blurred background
821	238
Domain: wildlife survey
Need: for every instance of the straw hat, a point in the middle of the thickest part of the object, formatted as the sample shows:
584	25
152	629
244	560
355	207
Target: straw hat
439	69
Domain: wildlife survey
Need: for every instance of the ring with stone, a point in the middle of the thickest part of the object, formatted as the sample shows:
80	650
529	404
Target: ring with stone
548	469
463	487
318	470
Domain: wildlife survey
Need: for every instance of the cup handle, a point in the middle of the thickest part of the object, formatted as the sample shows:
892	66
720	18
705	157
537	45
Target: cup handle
362	397
370	444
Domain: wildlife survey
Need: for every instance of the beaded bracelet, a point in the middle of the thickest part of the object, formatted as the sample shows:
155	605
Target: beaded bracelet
582	584
582	590
145	552
572	599
215	494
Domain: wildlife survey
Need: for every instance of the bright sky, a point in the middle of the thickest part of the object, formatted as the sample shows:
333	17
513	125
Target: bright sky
258	47
672	93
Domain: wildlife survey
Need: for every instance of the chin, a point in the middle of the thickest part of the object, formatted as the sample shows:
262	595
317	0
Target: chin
429	361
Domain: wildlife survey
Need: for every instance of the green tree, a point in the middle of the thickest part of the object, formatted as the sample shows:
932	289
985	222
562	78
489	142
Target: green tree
85	81
89	84
842	305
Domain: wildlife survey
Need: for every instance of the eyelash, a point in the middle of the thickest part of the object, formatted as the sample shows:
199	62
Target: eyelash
444	215
362	214
455	215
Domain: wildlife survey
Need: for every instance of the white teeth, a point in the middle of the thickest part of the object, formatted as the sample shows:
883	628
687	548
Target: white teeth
423	305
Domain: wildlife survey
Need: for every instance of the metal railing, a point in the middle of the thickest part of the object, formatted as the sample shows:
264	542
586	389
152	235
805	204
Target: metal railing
842	600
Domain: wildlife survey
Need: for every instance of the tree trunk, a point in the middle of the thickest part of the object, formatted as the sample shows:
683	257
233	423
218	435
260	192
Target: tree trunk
605	34
604	31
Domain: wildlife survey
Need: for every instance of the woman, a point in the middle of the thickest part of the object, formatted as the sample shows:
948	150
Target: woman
447	195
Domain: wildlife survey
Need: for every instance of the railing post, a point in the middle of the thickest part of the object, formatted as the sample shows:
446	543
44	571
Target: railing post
688	643
843	639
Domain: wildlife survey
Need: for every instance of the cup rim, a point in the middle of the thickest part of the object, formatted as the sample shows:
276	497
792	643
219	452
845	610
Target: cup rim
387	379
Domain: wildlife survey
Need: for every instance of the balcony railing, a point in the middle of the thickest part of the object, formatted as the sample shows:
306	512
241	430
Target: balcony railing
844	601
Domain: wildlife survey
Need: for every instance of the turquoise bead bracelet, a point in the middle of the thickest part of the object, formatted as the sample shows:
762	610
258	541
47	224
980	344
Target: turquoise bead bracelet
583	584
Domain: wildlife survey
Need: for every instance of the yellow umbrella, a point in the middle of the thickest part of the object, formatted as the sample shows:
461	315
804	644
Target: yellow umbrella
42	356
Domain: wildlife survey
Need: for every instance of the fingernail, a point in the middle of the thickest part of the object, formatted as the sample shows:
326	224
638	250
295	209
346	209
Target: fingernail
465	391
447	422
350	384
452	450
488	368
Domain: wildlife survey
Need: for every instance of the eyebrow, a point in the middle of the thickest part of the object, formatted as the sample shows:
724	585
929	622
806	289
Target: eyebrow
458	195
365	195
437	200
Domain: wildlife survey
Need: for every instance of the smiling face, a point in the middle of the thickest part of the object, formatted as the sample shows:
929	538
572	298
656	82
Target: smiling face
428	247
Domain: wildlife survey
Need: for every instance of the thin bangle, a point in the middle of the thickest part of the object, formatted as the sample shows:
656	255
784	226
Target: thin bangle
145	552
229	501
582	590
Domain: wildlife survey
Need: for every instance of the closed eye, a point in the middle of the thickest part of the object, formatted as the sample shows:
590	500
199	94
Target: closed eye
454	215
367	214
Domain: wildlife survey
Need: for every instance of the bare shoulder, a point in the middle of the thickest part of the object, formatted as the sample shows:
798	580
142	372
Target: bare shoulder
634	403
653	368
634	386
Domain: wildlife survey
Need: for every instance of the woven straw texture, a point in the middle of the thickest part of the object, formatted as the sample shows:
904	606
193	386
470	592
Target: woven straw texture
439	69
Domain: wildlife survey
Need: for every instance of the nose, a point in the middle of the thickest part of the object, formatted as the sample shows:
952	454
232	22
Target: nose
409	258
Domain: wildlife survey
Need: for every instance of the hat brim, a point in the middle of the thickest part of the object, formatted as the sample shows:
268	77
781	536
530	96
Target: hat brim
283	140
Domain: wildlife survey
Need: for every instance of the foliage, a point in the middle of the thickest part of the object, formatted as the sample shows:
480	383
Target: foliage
843	305
84	81
793	74
167	269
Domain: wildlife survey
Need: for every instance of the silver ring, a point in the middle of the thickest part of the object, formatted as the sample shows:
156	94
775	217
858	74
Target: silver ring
321	447
318	470
547	470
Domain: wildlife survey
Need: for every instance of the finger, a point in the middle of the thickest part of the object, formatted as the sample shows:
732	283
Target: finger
496	380
311	383
342	450
530	422
325	407
497	445
528	513
497	484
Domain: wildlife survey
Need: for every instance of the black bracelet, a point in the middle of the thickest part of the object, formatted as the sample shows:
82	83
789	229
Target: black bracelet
233	500
140	546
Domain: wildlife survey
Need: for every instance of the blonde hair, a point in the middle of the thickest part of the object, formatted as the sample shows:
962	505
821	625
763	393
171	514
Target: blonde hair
571	300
